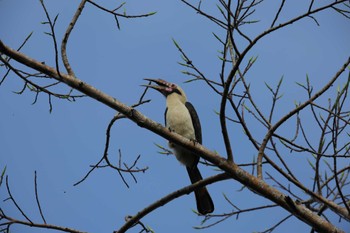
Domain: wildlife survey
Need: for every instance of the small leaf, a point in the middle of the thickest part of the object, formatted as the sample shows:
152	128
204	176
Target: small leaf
218	38
280	82
152	13
302	85
221	58
311	164
54	21
221	10
280	96
270	88
176	44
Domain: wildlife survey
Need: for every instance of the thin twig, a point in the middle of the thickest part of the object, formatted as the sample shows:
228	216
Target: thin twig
14	201
37	197
12	221
113	12
278	13
119	169
52	34
294	111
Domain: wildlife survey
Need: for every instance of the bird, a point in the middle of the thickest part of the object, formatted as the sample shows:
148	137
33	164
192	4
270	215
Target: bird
182	118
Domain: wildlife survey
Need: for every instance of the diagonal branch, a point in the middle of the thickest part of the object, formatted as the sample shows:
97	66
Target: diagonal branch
168	198
259	186
37	225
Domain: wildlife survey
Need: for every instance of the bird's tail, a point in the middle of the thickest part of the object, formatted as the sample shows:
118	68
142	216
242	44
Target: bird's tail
204	202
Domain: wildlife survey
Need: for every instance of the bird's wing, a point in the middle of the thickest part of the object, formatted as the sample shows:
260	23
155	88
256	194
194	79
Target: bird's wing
195	121
166	110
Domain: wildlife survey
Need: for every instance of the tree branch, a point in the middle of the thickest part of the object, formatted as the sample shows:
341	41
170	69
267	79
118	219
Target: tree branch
168	198
295	111
234	171
66	37
37	225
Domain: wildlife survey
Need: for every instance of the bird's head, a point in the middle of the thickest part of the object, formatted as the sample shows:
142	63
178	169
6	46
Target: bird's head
167	89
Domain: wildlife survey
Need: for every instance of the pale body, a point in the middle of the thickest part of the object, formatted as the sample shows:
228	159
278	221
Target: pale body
182	118
180	122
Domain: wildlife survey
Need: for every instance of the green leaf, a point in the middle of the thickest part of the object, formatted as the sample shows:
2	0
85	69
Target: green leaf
191	80
311	164
54	21
280	82
176	44
149	229
253	59
152	13
302	85
221	10
218	38
270	88
280	96
221	58
296	103
184	64
328	164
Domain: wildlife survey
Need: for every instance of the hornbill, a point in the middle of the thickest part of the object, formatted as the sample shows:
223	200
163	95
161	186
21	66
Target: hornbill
181	117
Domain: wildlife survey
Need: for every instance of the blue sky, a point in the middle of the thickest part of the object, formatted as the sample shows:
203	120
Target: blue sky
62	145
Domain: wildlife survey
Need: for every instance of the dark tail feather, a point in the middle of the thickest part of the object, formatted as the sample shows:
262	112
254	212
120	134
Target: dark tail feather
205	204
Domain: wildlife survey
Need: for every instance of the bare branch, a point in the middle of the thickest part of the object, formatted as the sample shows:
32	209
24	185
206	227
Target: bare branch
278	13
236	213
308	214
119	169
113	12
37	198
14	201
12	221
294	111
52	34
211	18
66	37
166	199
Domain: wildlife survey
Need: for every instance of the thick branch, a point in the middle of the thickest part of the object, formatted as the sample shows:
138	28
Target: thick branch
170	197
234	171
38	225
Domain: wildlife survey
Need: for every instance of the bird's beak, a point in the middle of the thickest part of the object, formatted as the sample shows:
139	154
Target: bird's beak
162	85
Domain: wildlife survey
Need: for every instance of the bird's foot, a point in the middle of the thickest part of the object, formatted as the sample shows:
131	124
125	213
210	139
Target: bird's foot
171	144
194	141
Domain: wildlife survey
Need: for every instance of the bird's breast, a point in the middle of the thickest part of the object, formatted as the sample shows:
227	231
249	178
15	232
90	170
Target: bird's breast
179	120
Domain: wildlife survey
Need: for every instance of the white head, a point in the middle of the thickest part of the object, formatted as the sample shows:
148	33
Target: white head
168	89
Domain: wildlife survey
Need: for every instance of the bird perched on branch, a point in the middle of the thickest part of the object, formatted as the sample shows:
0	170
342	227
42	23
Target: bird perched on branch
182	118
